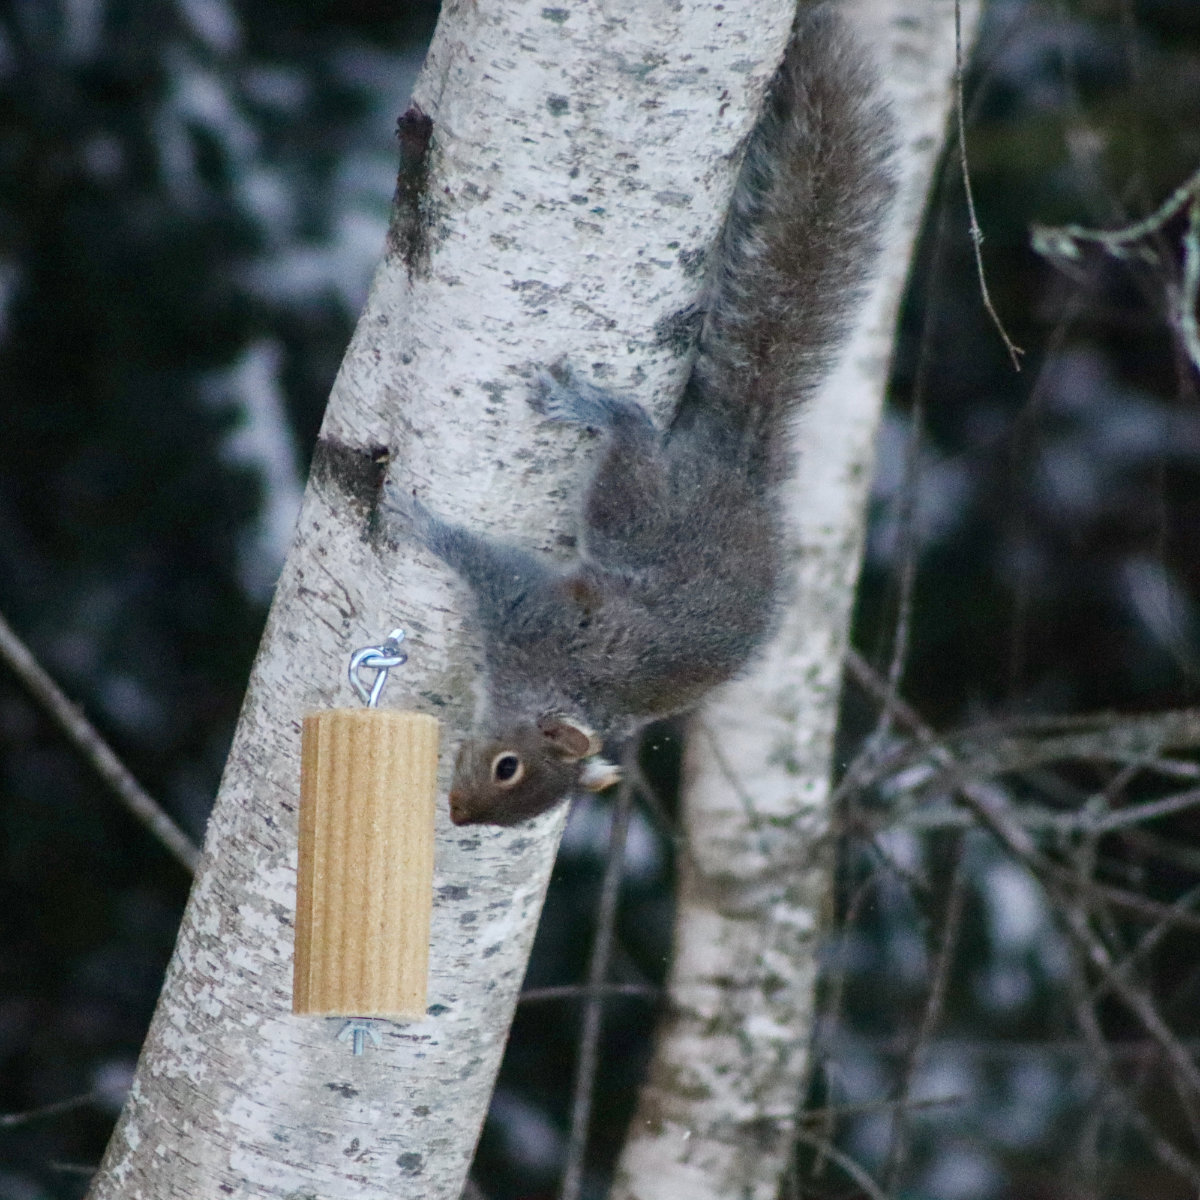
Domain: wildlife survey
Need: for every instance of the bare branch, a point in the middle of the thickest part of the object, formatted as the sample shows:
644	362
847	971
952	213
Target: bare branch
951	928
1061	243
1036	818
874	1106
836	979
1101	1058
830	1151
1186	307
95	751
573	991
987	751
1062	885
1135	814
1099	737
11	1120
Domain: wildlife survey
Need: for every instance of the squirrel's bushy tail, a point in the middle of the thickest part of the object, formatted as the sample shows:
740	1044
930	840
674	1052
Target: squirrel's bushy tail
802	233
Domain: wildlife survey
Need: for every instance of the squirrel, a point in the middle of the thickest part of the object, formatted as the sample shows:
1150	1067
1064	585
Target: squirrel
678	576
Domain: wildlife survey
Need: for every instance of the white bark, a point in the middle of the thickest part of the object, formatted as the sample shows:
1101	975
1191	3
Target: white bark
582	159
716	1118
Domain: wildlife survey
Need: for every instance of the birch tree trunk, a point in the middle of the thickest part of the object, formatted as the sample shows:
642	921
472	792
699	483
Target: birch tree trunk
580	163
717	1115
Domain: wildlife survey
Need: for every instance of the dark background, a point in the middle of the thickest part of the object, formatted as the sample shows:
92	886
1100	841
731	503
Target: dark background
193	194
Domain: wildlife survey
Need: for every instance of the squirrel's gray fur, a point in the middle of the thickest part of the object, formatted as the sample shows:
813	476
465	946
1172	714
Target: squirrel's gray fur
677	581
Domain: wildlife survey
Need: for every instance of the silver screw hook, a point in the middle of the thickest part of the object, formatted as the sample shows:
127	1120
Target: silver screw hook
380	659
356	1031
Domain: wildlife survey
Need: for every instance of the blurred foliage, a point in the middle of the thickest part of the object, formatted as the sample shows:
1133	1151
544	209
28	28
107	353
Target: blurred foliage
192	196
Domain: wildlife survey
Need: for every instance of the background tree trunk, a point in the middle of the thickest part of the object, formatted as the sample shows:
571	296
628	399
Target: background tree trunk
580	165
716	1117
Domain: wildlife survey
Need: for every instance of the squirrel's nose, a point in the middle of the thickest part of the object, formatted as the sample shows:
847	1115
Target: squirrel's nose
457	813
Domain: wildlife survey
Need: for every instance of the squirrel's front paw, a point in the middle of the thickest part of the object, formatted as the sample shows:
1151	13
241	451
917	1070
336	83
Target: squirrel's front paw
552	394
404	512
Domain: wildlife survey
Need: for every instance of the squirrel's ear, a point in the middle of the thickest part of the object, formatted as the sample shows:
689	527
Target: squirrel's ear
569	738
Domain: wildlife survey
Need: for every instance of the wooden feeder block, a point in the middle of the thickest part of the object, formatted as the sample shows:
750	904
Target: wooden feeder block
364	887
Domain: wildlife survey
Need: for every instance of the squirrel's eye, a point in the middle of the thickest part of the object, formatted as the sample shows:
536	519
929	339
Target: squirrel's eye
507	768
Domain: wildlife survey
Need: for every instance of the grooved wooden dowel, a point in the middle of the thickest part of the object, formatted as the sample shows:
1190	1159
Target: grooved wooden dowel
365	883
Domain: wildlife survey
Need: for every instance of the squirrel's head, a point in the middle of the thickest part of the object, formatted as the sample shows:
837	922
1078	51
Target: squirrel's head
502	778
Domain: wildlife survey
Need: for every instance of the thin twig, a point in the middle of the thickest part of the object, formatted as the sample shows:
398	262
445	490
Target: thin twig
984	803
906	518
86	740
1133	997
11	1120
1035	817
897	1158
1061	242
831	1011
1102	1060
1189	291
1054	241
1135	814
870	1107
593	1009
576	991
1018	843
999	748
1014	351
830	1151
992	813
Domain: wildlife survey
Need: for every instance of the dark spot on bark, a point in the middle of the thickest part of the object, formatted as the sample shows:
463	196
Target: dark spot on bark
669	198
411	1163
557	15
422	1110
408	233
491	950
436	1010
453	891
345	1090
495	391
356	472
557	105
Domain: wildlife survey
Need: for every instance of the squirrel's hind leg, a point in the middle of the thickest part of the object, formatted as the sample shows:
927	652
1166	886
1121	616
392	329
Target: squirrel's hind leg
626	500
569	400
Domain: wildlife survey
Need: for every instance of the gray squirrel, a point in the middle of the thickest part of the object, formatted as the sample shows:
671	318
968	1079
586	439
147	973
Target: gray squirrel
678	575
